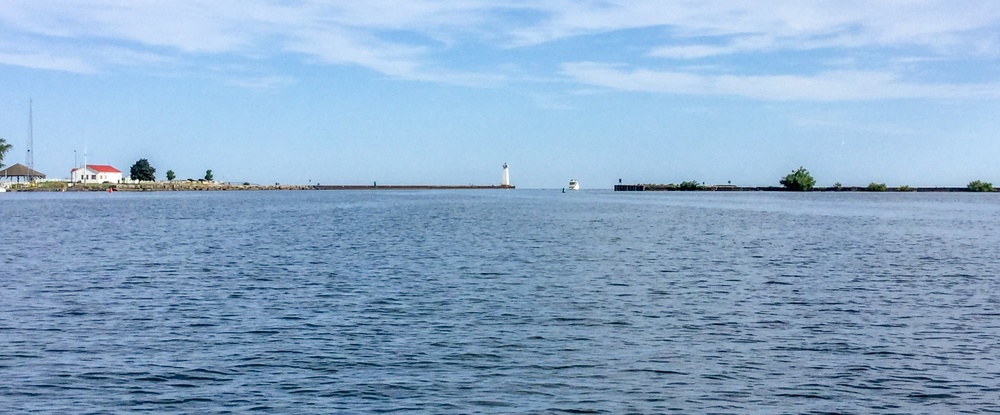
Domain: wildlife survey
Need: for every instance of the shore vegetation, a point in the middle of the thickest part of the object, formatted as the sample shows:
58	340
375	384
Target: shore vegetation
798	180
980	186
4	148
689	185
876	187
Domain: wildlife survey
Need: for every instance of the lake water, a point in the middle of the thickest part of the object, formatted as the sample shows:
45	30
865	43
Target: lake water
517	301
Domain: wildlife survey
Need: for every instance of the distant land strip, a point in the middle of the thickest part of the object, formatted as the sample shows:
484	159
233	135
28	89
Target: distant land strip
406	187
733	188
215	186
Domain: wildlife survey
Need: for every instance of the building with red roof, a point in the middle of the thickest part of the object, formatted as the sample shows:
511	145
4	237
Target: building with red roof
96	173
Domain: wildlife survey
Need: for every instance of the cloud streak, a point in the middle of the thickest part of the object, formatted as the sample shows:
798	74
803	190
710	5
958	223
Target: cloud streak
419	39
827	86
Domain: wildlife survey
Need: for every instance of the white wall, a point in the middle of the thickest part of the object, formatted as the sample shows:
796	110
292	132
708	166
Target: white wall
86	175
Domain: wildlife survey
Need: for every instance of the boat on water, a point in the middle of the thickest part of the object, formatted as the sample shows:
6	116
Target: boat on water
574	185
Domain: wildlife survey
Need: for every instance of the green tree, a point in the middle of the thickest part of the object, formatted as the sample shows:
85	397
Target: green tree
208	175
978	186
4	148
876	187
689	185
798	180
142	171
170	175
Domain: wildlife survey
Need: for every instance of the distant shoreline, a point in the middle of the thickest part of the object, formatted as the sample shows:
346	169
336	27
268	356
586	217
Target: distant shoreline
731	188
194	186
409	187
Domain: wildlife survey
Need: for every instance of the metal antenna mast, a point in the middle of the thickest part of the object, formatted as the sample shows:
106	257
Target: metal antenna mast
30	160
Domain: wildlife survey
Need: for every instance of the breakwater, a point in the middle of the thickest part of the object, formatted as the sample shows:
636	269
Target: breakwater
731	188
407	187
213	186
149	187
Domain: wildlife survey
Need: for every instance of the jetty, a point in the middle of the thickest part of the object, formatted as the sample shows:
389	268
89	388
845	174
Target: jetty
733	188
504	184
409	187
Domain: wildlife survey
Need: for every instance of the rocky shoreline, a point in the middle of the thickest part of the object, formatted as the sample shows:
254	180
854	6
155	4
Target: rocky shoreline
152	187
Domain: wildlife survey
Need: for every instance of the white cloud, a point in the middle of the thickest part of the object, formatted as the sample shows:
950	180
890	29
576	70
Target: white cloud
46	61
828	86
261	82
414	39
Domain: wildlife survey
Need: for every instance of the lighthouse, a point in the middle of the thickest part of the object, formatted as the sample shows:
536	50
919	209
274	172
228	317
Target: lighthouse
505	181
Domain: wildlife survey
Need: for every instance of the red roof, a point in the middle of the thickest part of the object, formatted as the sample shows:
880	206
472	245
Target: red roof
101	168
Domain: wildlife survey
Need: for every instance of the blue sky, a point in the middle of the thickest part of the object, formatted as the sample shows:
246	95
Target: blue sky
445	92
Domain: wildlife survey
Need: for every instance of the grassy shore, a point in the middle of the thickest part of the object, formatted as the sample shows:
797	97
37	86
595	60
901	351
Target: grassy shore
183	185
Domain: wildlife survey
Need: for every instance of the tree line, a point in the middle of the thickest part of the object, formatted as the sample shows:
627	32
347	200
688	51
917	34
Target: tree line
801	180
145	172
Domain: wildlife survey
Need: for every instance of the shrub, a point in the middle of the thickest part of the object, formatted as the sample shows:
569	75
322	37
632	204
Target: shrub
876	187
689	185
799	180
838	186
978	186
905	188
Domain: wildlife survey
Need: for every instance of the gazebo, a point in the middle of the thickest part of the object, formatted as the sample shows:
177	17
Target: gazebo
19	171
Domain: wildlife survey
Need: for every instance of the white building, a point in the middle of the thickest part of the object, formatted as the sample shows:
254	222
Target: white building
96	173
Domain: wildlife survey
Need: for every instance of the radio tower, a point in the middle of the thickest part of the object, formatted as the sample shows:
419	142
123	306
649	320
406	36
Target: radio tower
30	160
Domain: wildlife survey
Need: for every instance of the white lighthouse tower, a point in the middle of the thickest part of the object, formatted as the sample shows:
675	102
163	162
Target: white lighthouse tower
505	182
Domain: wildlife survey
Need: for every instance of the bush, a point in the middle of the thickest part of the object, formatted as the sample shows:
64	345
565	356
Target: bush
978	186
798	180
905	188
690	185
876	187
838	186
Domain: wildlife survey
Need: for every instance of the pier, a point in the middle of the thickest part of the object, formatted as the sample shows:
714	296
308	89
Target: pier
409	187
733	188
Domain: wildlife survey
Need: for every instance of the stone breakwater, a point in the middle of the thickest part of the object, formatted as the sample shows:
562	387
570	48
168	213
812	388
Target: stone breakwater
213	186
152	187
202	186
732	188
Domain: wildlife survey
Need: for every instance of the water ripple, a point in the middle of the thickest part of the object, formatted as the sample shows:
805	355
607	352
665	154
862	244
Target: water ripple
511	302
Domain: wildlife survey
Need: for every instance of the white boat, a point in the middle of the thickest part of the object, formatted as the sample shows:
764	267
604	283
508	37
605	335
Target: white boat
574	185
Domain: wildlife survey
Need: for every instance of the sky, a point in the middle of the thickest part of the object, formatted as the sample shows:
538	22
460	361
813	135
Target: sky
903	92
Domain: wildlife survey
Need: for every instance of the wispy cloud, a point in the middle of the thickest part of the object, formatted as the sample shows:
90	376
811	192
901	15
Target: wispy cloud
262	82
827	86
47	62
419	39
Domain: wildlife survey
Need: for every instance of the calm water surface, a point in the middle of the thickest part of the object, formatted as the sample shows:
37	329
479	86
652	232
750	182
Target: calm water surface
499	302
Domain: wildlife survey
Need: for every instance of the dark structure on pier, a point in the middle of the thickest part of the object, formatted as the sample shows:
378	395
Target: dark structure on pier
630	187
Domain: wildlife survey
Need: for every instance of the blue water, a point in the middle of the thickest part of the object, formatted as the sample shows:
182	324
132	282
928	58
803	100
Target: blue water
499	302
